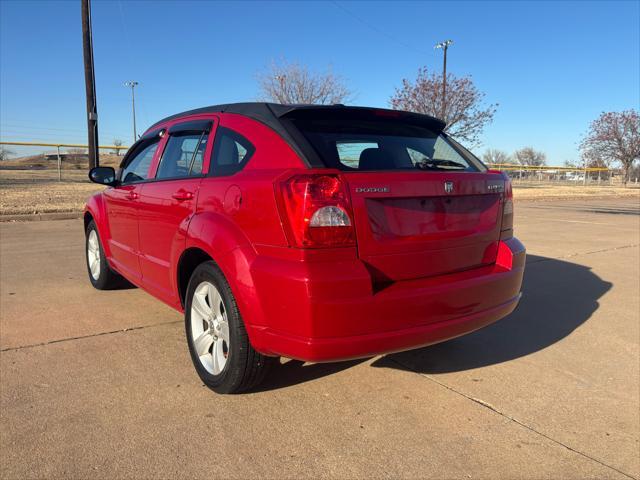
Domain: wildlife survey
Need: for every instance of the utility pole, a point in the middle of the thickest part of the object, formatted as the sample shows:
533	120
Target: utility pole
444	46
90	84
133	84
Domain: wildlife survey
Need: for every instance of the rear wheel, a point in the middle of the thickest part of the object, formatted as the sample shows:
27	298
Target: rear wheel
100	274
218	342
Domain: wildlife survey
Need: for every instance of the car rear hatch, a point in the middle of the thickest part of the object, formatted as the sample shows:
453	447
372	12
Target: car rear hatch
422	205
419	224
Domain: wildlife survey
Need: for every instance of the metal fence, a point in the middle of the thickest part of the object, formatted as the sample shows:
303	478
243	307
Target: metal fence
551	175
49	161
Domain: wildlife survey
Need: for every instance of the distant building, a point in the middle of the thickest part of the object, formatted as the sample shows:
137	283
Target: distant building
65	156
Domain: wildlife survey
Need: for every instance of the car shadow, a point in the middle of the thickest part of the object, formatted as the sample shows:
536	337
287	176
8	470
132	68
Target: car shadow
558	297
121	283
295	372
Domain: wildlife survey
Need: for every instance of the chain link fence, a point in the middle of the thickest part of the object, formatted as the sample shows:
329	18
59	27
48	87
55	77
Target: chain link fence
32	161
566	176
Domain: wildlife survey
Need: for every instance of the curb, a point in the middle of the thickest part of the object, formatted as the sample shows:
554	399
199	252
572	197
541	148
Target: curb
35	217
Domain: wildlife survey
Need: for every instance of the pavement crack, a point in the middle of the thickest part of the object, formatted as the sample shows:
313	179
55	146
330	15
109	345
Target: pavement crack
494	409
70	339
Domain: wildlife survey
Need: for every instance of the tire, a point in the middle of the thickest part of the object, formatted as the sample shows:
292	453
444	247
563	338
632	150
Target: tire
100	274
218	343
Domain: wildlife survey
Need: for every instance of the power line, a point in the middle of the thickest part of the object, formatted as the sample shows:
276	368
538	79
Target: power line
376	29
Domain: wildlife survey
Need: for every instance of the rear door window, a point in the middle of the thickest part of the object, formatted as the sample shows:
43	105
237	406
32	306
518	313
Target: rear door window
182	156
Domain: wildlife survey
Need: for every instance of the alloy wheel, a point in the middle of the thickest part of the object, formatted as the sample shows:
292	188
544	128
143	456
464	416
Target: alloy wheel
93	254
210	328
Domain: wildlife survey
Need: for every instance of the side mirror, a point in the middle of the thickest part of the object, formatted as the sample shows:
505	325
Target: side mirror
103	175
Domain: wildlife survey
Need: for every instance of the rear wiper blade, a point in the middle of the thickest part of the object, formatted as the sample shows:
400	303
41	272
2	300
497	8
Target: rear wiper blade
443	164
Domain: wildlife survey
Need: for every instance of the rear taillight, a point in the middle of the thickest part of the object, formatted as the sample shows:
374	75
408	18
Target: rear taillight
316	211
507	210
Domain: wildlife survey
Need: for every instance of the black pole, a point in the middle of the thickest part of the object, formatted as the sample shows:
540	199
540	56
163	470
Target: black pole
90	84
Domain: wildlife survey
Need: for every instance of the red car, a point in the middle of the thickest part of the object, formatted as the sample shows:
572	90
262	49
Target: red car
319	233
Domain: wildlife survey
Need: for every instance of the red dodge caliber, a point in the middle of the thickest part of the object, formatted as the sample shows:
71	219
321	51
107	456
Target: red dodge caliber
319	233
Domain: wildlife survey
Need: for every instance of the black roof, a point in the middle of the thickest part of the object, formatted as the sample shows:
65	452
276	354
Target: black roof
269	112
273	114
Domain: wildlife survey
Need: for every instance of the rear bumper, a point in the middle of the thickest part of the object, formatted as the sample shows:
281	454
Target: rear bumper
330	312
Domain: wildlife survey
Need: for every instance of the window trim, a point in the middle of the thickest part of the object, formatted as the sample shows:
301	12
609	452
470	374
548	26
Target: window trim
191	126
245	142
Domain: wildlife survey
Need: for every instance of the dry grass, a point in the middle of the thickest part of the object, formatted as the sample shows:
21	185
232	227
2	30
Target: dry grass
538	192
39	191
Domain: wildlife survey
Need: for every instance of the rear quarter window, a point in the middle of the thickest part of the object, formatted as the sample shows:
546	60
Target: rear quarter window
231	152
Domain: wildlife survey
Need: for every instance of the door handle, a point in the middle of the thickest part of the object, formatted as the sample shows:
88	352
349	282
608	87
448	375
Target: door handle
133	196
182	195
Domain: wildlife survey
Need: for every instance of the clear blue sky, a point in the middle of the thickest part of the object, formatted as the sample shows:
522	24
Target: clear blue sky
552	66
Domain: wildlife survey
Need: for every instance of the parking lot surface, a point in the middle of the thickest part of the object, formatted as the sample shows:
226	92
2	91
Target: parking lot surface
100	384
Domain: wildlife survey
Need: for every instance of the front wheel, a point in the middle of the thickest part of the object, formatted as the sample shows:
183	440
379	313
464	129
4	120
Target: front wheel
218	343
100	274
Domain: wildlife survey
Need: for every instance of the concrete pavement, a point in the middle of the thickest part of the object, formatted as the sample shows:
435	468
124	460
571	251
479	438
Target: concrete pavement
100	383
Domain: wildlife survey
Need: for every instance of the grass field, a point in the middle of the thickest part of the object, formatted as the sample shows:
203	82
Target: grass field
39	191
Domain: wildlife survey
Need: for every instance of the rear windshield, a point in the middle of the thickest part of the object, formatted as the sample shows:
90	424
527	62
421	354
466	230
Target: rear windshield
378	145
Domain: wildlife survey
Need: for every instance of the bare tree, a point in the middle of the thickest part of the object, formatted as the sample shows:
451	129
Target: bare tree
529	156
285	82
464	112
614	136
495	156
5	153
118	143
592	158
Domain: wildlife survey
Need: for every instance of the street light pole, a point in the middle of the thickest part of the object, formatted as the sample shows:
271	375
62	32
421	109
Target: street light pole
133	84
444	46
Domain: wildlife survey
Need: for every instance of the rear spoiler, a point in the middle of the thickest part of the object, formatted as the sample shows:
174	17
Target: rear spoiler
357	113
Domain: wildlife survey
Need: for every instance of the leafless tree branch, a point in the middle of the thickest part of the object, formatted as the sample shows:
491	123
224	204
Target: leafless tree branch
529	156
464	112
5	153
495	156
285	82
